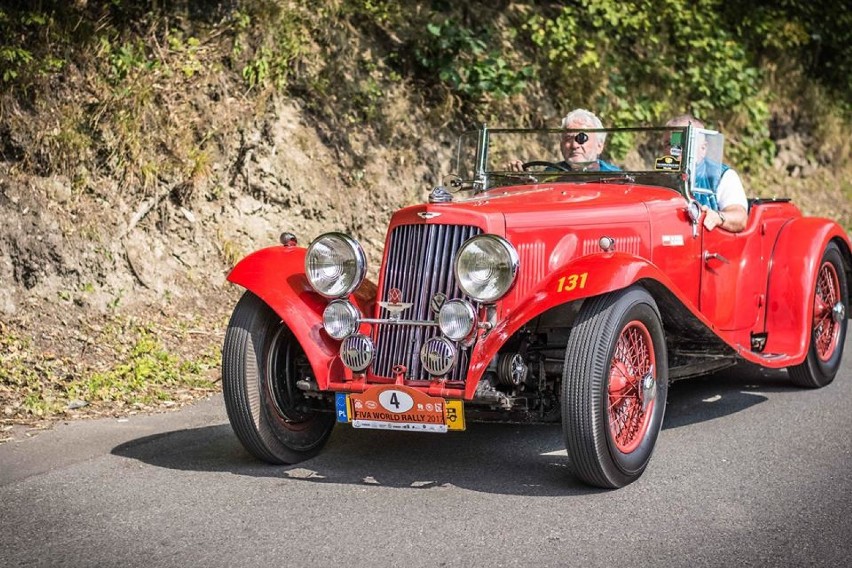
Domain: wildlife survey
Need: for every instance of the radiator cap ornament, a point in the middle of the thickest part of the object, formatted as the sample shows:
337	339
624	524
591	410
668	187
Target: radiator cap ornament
440	195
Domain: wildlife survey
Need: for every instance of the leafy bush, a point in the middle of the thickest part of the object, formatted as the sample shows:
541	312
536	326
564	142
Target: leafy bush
630	62
35	384
644	62
468	62
148	373
24	36
816	37
285	36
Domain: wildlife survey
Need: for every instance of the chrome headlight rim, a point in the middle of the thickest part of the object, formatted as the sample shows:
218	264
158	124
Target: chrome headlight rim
509	257
350	310
359	263
464	308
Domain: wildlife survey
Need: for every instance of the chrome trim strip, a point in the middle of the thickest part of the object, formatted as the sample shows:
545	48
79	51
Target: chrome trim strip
420	323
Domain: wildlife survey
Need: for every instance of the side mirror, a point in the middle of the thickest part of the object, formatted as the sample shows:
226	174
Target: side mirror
694	212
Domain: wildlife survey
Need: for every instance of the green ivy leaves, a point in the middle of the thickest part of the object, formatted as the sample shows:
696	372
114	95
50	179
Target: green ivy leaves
471	63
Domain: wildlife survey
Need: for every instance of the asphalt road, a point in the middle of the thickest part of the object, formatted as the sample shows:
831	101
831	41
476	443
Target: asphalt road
748	472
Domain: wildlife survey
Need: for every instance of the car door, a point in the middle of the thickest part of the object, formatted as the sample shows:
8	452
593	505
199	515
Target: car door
733	275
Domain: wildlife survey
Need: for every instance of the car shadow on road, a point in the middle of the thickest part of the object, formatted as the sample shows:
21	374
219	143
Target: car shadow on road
493	458
721	394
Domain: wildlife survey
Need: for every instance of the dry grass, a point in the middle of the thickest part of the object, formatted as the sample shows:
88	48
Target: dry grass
118	366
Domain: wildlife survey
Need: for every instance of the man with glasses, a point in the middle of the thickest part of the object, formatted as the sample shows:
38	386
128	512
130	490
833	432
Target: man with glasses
580	149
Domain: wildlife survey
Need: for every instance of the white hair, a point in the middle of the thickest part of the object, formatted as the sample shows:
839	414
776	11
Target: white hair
684	120
587	117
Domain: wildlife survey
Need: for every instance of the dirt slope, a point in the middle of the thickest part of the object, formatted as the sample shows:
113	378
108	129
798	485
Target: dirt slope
75	259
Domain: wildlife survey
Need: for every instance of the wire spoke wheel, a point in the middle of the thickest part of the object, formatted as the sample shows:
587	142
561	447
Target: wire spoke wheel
286	364
826	327
828	323
614	387
631	363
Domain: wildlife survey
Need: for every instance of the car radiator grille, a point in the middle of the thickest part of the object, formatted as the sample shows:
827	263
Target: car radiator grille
419	264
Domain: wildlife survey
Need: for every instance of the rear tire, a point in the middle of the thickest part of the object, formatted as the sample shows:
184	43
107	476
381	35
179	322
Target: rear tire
828	324
261	362
614	387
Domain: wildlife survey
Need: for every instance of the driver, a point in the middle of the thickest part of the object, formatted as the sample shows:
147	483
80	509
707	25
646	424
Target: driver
580	150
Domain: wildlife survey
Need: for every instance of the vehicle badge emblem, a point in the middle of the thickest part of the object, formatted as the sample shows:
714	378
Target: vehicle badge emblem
395	306
438	301
428	215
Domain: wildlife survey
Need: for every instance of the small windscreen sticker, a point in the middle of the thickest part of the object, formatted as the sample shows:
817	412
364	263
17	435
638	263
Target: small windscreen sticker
667	163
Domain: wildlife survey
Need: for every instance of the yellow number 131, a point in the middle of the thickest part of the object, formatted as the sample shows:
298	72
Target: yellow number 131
568	283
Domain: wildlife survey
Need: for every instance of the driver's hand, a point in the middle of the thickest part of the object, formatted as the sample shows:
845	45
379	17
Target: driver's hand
514	166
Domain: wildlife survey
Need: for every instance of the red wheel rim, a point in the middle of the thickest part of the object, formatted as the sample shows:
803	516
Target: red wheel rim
826	328
632	361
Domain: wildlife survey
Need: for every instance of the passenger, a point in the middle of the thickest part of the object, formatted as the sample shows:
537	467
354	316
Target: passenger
580	150
727	207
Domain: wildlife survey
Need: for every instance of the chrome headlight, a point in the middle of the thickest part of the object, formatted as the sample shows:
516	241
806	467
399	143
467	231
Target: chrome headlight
340	318
456	319
486	266
335	265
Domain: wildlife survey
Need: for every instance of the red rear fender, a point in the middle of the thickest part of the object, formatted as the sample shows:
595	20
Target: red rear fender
792	279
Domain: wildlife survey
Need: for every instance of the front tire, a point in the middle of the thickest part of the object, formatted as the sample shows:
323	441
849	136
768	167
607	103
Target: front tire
261	362
614	387
828	324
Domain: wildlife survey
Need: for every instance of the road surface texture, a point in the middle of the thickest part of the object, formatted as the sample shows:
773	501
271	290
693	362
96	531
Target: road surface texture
748	471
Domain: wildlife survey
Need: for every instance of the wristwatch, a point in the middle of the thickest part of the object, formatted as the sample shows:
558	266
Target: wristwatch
722	217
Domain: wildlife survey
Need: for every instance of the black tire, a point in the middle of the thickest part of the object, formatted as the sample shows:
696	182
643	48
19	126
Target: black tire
827	334
600	453
261	362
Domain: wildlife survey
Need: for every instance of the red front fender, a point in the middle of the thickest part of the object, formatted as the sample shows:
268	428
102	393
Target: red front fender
583	278
277	276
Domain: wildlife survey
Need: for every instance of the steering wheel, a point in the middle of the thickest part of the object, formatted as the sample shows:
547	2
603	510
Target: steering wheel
544	164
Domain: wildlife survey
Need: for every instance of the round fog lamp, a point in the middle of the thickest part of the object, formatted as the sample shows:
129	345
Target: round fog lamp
438	355
357	352
340	318
456	319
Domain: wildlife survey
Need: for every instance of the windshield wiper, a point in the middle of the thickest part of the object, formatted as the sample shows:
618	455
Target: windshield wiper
524	176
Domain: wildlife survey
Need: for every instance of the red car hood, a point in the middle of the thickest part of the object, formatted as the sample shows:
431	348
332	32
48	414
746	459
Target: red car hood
559	204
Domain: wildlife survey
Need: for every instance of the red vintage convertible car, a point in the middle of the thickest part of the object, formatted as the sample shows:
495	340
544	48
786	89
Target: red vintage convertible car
545	295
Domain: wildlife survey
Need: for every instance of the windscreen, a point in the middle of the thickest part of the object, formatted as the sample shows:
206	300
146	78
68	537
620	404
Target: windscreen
510	156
